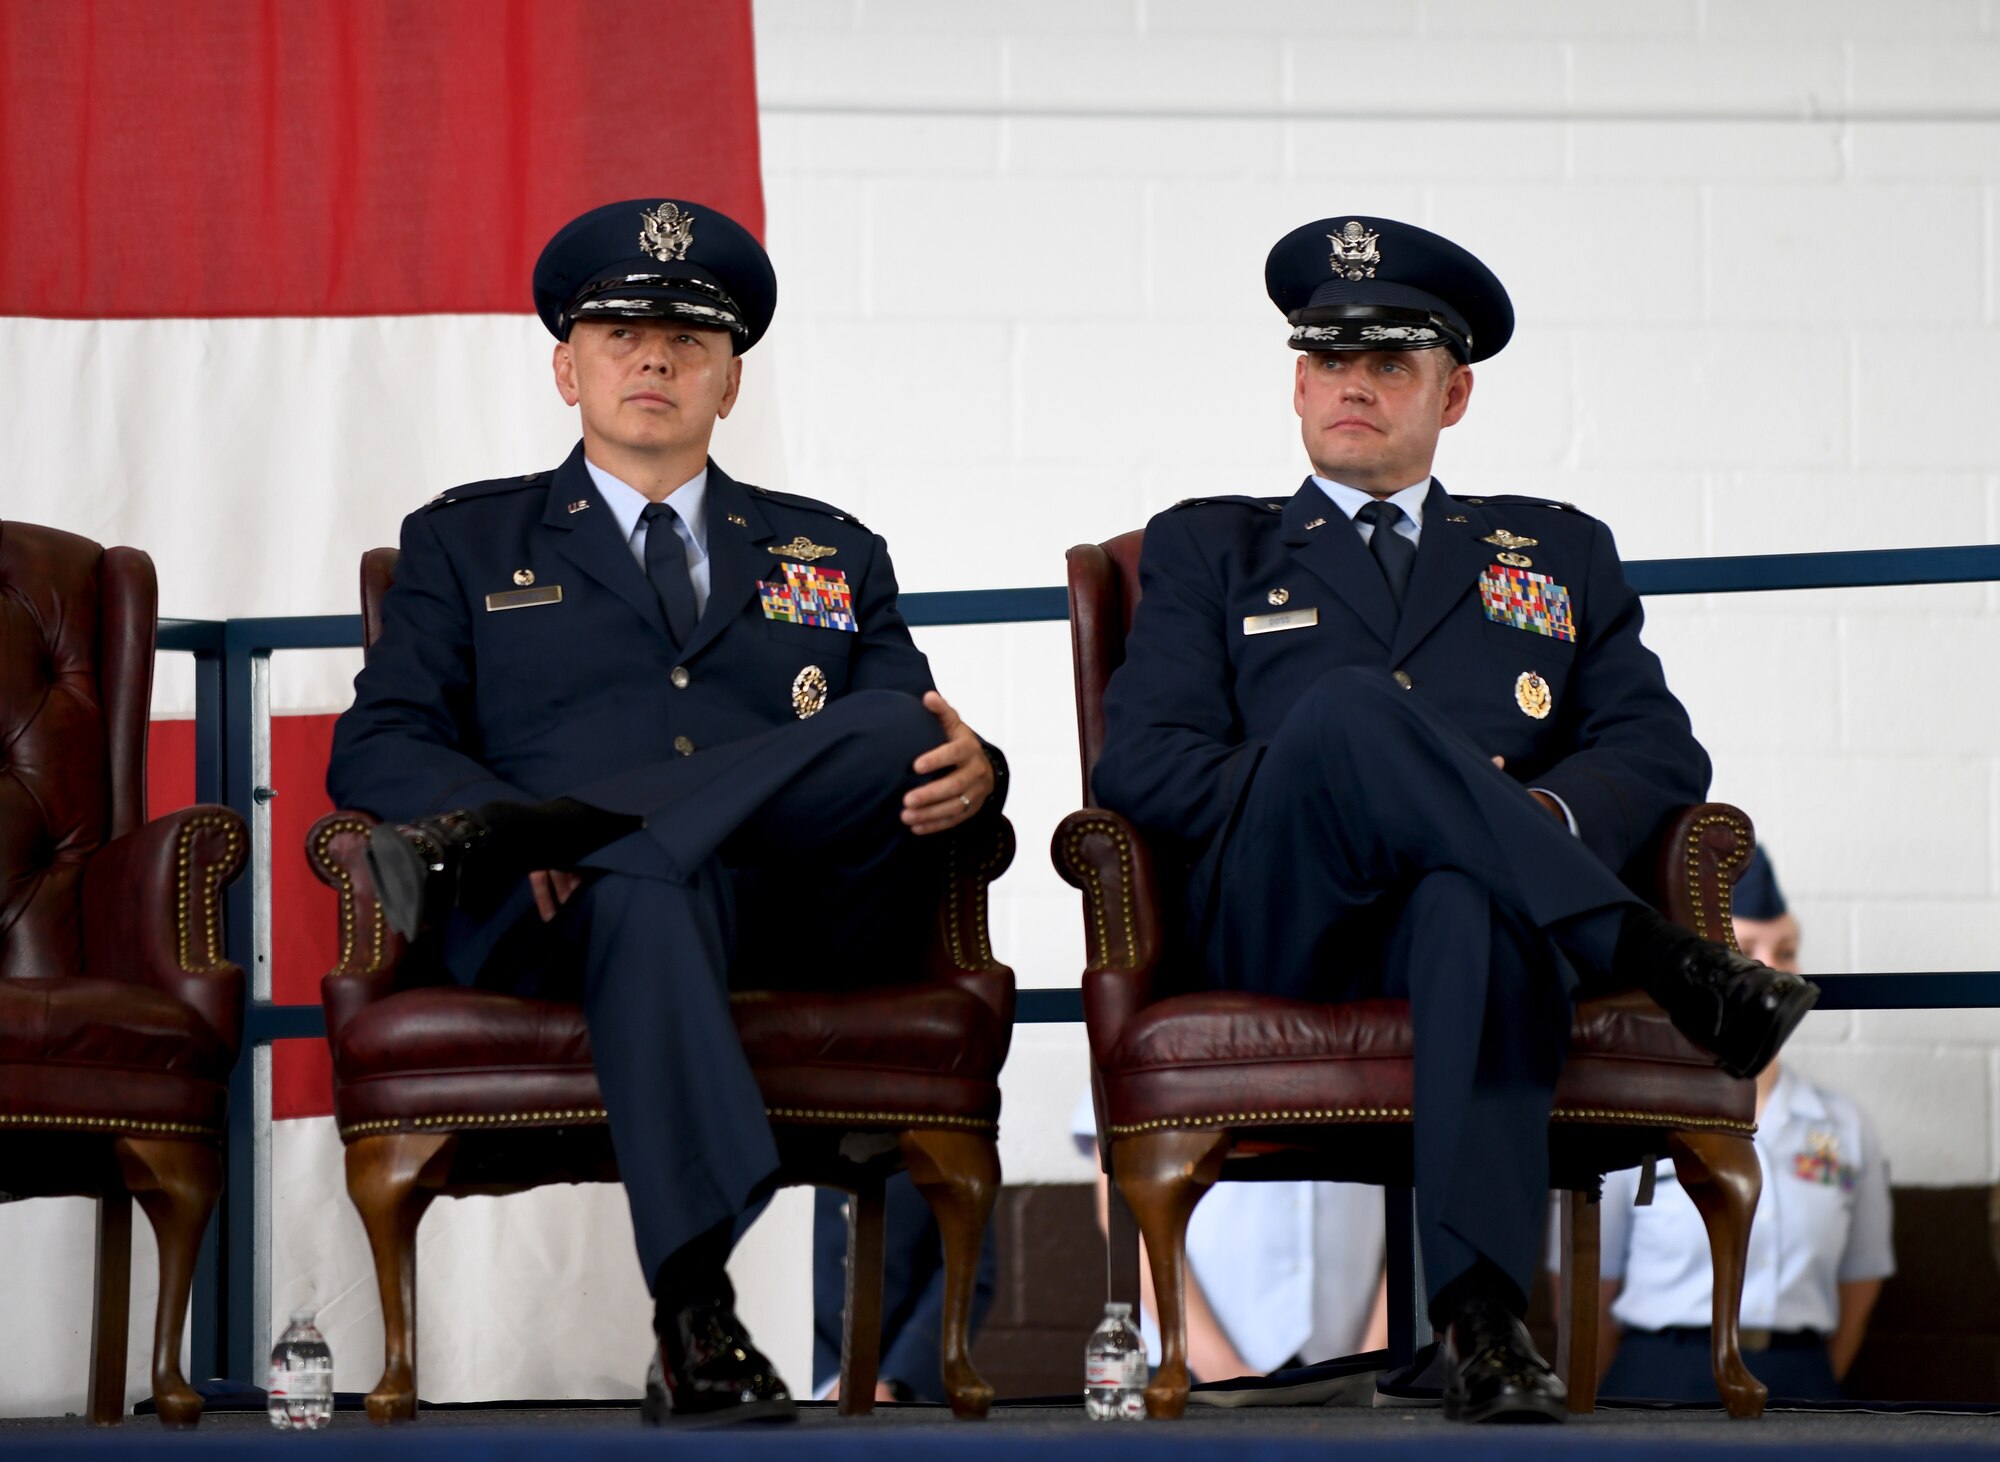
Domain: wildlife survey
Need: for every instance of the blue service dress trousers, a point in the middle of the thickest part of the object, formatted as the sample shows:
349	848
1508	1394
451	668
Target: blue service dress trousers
776	861
1378	851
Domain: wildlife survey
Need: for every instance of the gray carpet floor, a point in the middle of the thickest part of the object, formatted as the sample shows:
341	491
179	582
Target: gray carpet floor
1329	1426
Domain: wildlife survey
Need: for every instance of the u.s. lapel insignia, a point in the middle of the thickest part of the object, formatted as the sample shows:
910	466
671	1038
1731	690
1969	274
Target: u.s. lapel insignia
524	577
1504	539
579	505
1532	695
803	548
809	691
1515	560
1316	523
1278	596
1458	518
739	520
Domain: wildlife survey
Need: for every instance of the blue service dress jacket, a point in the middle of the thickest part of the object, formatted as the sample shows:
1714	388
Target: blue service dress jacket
1248	601
524	655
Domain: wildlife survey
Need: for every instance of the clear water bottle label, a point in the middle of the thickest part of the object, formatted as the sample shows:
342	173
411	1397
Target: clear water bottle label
1115	1371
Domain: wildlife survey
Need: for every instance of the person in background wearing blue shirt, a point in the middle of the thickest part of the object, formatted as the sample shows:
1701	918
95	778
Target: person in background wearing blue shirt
1819	1247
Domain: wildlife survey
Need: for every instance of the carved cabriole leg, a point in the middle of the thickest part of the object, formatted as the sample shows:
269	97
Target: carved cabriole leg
111	1312
1719	1171
1163	1175
959	1175
177	1184
392	1180
861	1315
1576	1341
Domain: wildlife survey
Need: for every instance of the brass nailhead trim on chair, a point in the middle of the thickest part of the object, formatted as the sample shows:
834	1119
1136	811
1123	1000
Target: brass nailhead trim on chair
1650	1119
346	893
1260	1119
1403	1114
574	1115
880	1119
1095	891
1722	870
566	1116
211	882
109	1124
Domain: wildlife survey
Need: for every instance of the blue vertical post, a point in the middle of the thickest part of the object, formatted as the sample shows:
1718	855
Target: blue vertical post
205	1357
236	1215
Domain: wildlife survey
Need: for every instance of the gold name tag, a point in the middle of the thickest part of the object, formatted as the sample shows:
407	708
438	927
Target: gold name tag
1265	624
523	598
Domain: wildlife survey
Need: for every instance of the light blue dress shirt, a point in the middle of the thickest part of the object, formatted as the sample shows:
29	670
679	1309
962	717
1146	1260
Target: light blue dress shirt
1351	500
1823	1220
627	502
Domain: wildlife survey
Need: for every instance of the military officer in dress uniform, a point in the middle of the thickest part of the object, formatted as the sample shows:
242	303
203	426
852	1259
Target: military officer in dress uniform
634	725
1403	741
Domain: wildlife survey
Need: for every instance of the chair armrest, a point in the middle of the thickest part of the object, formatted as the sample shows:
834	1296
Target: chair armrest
152	911
370	951
962	951
1102	854
1701	852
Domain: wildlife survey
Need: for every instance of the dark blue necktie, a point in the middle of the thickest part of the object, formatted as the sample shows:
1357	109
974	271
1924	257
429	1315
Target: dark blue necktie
667	567
1394	553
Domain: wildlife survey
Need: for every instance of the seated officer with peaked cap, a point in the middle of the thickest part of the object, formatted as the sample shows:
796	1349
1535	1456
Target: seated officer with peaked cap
640	724
1403	741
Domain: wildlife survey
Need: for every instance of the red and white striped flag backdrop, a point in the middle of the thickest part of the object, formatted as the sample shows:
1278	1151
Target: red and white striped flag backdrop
263	289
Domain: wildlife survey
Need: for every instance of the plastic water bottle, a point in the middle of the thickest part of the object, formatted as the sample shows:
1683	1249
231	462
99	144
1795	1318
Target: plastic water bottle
301	1390
1114	1368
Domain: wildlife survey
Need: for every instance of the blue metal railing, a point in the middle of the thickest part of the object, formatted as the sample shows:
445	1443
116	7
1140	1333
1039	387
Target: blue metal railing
226	733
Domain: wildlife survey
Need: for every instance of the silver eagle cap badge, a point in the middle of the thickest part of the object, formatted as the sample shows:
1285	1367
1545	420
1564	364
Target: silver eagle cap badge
1356	251
666	232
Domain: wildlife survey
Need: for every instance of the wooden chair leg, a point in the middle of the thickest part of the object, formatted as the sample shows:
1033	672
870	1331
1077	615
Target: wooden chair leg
1719	1171
861	1316
1163	1175
177	1184
959	1175
112	1309
391	1180
1576	1338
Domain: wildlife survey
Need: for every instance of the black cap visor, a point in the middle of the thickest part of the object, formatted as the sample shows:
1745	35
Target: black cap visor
1376	327
643	295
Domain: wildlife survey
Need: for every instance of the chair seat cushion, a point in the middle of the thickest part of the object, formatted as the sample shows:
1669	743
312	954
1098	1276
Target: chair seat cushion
1227	1058
441	1057
108	1054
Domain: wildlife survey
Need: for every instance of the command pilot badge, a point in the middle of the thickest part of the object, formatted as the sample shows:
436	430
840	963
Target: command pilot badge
804	548
809	691
1532	695
666	233
1505	539
1356	251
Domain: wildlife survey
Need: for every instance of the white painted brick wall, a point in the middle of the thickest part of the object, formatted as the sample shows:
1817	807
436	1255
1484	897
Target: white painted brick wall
1755	246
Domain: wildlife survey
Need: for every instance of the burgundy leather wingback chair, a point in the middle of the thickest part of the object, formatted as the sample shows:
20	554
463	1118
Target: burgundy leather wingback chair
442	1089
119	1016
1193	1088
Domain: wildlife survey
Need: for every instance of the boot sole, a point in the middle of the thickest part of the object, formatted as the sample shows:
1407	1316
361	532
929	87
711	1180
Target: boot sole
1510	1407
656	1412
1783	1021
